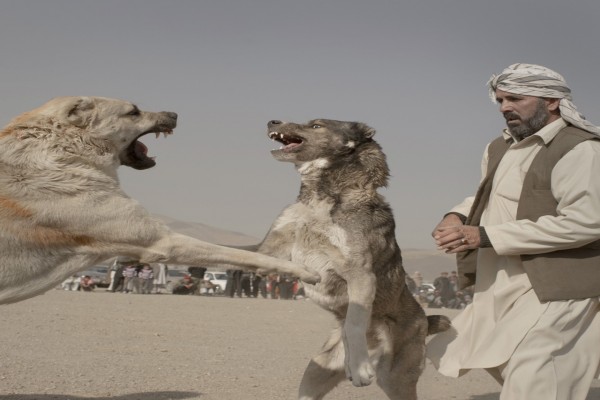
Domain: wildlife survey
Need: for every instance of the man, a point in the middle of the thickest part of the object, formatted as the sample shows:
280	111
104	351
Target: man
87	284
116	273
187	285
530	242
234	283
444	290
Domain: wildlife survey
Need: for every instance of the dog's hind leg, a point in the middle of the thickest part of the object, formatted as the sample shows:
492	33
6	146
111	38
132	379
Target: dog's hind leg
398	373
325	370
400	383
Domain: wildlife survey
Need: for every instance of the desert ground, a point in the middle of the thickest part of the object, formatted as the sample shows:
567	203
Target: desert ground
101	345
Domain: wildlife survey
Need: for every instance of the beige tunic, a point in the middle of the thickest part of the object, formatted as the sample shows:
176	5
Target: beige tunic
505	307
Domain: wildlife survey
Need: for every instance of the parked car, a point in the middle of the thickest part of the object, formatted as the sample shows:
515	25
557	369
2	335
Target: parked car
427	287
217	278
99	274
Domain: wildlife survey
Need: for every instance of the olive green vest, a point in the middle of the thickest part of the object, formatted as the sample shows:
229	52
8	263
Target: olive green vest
558	275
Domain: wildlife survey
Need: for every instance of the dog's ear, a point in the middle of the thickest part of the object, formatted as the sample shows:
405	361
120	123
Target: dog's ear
80	112
366	131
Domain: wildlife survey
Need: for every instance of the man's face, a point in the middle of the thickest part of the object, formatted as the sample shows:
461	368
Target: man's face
525	115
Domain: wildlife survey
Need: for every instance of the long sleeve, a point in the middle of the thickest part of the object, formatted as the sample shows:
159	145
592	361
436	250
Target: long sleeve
576	187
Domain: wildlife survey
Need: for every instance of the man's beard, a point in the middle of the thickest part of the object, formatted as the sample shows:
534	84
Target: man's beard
529	126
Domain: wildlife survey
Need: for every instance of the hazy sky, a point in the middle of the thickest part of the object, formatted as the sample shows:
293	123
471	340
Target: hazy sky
413	70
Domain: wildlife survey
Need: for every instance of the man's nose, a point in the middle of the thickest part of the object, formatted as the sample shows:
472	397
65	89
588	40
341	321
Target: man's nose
505	107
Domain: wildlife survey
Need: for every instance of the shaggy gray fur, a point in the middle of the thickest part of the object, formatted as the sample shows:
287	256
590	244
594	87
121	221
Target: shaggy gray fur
343	228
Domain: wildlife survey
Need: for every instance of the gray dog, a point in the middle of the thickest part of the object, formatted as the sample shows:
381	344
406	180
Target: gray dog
341	227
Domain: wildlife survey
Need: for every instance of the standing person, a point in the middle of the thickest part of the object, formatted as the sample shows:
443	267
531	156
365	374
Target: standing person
112	272
246	284
453	281
255	280
418	278
129	273
443	287
274	286
286	284
159	270
529	241
116	273
146	276
234	283
263	286
137	280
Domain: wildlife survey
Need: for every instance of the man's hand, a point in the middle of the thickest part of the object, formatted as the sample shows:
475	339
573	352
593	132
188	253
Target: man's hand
452	236
449	220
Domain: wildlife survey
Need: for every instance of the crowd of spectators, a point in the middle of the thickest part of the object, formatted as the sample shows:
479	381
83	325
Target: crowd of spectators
130	276
273	286
442	293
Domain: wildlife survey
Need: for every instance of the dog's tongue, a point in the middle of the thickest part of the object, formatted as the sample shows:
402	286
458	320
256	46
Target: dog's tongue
141	151
290	146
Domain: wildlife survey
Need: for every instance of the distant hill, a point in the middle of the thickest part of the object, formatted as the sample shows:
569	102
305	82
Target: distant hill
428	262
207	233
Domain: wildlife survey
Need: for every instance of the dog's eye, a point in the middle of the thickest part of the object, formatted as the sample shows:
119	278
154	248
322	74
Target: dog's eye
134	112
315	126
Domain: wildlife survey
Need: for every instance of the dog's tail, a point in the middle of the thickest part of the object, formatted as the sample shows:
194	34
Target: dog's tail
437	324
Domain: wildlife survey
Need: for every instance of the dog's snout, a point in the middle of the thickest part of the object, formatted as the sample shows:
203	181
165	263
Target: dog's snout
171	115
274	122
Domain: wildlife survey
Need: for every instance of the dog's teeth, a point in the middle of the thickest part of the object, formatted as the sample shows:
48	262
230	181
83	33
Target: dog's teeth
157	134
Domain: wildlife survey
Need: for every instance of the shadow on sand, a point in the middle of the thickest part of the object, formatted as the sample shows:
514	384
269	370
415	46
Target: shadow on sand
594	394
132	396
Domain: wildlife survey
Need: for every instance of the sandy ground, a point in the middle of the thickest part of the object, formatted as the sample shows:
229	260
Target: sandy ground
75	345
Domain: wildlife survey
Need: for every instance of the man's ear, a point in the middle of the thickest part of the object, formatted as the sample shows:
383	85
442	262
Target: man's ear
80	113
553	104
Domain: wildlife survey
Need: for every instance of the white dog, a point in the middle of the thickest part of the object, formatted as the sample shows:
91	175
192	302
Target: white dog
61	207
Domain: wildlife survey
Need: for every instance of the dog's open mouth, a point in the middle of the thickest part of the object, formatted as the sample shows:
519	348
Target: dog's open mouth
290	142
136	154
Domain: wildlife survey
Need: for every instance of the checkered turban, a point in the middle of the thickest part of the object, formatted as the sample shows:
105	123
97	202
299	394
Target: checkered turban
538	81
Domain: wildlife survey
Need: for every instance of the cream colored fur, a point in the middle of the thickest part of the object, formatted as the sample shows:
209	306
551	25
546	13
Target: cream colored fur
61	207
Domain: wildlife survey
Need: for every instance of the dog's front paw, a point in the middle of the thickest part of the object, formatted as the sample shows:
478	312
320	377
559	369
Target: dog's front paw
361	374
